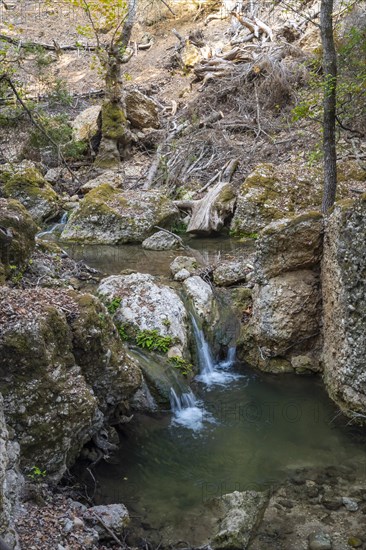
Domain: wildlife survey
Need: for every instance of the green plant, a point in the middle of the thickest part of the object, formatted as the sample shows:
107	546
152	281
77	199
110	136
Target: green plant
166	323
36	474
113	305
153	341
122	332
181	364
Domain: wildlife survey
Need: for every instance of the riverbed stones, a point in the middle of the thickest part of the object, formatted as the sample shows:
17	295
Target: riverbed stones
320	541
288	245
230	272
17	236
108	518
344	306
186	263
239	513
63	373
110	216
162	240
147	304
26	184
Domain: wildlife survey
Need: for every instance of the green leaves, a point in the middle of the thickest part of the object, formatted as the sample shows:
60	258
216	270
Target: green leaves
153	341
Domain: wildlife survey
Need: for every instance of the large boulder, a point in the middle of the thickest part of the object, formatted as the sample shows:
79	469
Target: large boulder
286	315
238	516
141	111
162	240
17	236
111	177
26	184
63	373
344	306
289	244
146	304
107	519
110	216
85	126
231	272
202	299
272	192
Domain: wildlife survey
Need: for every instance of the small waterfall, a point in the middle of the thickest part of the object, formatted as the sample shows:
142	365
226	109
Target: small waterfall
56	227
186	410
211	372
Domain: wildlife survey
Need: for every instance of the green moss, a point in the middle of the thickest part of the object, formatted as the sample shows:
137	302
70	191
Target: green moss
113	121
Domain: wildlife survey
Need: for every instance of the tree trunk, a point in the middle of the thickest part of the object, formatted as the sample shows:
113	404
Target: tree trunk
115	131
330	95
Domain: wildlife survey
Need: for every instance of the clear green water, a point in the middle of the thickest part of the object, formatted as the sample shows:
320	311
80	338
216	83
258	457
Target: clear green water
258	429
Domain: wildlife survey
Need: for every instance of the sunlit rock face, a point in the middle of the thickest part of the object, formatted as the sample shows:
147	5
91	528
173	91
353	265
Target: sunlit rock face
344	306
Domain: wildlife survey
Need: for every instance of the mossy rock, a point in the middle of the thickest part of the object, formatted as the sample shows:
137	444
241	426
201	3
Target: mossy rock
111	216
17	235
113	121
28	186
273	192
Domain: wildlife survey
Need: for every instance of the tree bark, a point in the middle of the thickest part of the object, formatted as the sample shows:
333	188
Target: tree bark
329	102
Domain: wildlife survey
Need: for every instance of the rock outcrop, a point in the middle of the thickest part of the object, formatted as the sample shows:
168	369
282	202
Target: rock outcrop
63	373
17	232
146	304
26	184
110	216
344	306
281	320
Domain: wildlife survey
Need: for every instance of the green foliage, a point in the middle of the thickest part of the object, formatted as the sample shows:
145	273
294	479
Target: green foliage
153	341
181	364
36	474
122	331
113	305
60	94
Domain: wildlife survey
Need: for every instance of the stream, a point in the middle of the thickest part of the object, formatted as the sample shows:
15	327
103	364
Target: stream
236	429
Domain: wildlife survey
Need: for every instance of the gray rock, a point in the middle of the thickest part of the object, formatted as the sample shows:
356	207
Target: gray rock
111	177
320	541
183	262
350	504
230	272
182	275
344	306
238	516
285	311
114	516
141	110
162	241
63	376
146	304
110	216
202	298
85	125
288	245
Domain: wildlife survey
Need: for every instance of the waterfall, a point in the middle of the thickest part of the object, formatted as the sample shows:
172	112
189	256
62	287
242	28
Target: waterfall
56	226
186	410
212	372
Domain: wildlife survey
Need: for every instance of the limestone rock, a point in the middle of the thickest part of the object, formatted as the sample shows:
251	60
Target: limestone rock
161	241
63	373
110	177
202	298
146	304
271	192
141	111
230	272
183	262
17	232
190	55
26	184
289	244
85	125
320	541
239	514
114	516
110	216
182	275
344	305
286	311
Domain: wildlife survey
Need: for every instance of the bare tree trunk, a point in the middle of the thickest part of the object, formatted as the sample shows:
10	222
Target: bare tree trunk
115	131
330	95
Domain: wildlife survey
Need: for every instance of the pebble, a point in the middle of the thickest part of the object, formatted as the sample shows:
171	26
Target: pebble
78	523
350	504
320	541
354	542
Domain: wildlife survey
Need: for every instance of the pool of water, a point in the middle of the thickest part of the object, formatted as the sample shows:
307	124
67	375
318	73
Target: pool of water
113	259
254	430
